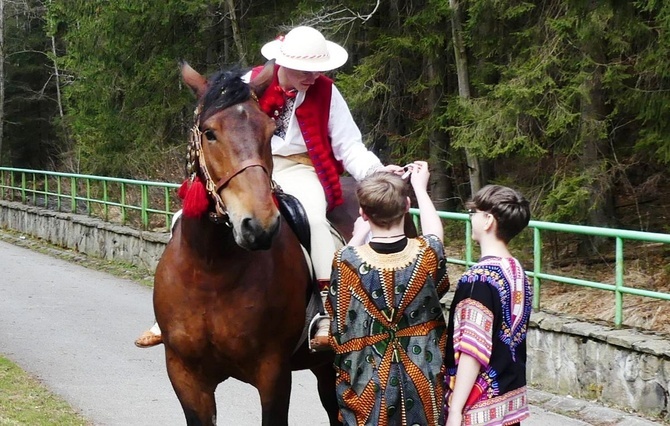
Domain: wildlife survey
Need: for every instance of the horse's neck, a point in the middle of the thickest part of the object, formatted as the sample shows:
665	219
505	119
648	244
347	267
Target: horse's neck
207	238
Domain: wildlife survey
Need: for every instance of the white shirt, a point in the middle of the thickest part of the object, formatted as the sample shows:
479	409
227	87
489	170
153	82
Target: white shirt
346	138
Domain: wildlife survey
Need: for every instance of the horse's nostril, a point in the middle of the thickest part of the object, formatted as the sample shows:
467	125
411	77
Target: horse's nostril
247	224
256	236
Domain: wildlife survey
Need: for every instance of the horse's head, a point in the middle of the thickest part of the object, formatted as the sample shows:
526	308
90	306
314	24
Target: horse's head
230	152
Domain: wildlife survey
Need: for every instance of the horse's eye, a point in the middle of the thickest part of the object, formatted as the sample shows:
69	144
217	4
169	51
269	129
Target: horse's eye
210	135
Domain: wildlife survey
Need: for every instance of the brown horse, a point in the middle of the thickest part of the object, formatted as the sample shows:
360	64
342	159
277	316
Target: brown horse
230	293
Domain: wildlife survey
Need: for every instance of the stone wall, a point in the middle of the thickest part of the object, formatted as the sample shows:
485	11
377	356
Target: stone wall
625	368
91	236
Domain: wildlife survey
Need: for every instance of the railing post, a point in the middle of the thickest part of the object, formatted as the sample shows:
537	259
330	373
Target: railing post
468	243
123	203
23	187
145	203
167	209
73	195
13	183
618	295
88	197
46	191
34	189
60	193
105	206
537	267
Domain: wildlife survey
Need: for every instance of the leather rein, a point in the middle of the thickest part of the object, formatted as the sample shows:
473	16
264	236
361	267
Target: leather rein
196	153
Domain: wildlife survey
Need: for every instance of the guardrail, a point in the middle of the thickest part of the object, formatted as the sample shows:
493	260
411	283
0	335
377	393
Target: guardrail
137	202
97	195
537	227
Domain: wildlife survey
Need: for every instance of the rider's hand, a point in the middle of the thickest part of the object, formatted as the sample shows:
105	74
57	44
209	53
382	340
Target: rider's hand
392	168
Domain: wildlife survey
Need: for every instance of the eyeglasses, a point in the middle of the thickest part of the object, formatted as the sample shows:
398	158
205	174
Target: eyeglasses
472	212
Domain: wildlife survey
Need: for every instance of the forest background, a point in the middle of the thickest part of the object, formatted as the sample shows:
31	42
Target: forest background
566	100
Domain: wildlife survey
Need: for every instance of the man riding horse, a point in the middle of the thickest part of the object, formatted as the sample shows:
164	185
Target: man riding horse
315	140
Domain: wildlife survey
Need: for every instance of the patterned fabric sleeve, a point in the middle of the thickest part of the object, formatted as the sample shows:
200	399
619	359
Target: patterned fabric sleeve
473	322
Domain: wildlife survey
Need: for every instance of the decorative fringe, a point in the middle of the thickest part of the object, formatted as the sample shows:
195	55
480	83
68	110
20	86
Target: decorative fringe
181	192
194	196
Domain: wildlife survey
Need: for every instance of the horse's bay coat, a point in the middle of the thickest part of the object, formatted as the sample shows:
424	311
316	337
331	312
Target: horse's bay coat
231	301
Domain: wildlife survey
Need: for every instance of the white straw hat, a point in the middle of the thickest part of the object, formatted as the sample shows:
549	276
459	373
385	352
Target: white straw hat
305	49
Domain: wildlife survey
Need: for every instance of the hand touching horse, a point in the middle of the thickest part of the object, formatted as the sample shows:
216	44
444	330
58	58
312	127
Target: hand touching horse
231	287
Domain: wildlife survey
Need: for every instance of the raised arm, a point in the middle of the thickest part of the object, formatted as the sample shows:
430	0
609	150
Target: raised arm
430	221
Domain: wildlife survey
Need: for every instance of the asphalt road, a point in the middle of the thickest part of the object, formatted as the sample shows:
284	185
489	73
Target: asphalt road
73	328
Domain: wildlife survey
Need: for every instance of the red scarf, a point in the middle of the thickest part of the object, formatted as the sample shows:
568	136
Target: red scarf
312	116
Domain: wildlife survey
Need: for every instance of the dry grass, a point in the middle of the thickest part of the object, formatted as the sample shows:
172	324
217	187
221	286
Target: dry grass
594	304
646	266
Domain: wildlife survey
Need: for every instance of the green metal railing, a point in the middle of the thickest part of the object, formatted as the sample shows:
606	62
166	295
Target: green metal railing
138	202
619	288
147	204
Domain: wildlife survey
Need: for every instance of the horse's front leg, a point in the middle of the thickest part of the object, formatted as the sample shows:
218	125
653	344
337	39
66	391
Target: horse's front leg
274	387
325	376
196	396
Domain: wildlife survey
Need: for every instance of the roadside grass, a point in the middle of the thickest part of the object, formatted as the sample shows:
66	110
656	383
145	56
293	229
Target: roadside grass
25	401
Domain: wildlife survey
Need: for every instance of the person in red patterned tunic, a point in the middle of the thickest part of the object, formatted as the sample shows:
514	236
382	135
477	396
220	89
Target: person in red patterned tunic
488	319
387	329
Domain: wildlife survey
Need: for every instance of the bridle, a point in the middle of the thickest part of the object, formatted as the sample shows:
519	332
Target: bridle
197	155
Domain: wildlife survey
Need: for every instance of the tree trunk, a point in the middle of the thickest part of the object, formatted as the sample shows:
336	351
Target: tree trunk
596	156
2	74
57	75
438	145
237	37
394	120
474	164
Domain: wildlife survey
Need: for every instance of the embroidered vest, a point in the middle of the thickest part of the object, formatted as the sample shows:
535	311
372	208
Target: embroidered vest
312	116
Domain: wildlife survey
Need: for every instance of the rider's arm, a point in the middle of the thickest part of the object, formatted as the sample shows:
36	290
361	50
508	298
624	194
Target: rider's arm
347	141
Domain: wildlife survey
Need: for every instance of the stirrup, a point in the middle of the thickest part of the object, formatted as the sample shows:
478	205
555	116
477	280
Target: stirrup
313	324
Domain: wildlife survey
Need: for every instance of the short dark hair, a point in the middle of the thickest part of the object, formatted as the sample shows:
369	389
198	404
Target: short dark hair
383	198
510	209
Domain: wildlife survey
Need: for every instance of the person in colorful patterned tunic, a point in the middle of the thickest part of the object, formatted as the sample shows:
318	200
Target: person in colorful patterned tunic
387	326
488	319
315	141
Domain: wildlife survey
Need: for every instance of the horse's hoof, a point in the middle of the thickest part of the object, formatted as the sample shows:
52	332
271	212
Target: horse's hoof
320	343
148	339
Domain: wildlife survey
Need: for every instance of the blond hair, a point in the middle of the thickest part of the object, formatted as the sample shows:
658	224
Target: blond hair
383	198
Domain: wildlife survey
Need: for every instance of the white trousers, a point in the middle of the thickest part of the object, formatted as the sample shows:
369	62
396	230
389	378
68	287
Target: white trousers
301	181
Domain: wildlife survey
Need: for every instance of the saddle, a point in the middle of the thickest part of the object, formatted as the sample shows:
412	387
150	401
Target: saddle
294	214
341	218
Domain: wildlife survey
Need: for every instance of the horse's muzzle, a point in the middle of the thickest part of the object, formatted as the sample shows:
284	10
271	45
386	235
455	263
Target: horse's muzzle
251	235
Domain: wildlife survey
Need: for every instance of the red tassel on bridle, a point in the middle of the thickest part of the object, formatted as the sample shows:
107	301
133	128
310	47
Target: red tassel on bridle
194	196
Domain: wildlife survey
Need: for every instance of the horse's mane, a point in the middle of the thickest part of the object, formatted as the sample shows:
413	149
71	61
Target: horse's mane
226	88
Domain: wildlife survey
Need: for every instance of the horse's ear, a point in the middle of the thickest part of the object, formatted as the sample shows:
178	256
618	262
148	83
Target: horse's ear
193	79
261	82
